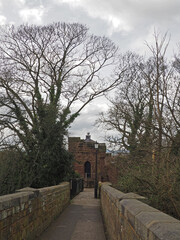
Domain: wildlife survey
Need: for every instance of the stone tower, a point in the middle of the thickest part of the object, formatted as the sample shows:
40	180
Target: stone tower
85	158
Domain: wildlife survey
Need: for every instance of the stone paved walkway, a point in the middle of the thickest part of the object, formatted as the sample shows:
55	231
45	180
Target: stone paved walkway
81	220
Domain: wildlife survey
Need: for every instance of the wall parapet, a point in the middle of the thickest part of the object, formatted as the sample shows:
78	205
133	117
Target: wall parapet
126	217
28	212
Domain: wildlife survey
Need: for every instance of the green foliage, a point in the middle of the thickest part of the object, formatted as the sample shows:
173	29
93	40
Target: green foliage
76	175
17	171
45	160
11	171
48	75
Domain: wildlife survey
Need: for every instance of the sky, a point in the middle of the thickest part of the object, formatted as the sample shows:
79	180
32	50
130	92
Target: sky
129	23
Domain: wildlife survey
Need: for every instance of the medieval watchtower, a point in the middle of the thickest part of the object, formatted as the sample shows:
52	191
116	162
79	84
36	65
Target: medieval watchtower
85	157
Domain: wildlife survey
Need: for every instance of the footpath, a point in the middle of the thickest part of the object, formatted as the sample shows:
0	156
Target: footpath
81	220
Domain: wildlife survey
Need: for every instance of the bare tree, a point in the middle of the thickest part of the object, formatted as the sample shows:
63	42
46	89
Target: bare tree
131	108
173	104
159	77
145	113
48	74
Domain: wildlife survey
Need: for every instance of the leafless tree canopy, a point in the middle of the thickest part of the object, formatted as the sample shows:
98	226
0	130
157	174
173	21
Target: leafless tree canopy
46	70
145	113
48	74
145	109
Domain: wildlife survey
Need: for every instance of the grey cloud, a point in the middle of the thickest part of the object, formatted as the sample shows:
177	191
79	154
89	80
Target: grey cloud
85	122
141	16
131	11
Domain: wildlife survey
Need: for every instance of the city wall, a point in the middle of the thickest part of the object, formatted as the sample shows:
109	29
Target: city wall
128	218
28	212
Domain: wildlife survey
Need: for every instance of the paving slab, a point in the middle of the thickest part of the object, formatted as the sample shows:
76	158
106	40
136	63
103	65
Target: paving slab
81	220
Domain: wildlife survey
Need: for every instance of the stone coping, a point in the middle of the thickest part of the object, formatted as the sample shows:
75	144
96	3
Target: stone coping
147	222
25	194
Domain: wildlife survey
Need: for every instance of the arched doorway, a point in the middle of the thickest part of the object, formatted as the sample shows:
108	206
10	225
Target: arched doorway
87	169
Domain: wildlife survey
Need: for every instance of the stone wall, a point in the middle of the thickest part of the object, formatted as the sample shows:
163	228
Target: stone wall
84	151
127	218
111	169
25	214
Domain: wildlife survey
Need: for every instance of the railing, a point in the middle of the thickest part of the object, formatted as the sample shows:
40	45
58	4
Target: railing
76	186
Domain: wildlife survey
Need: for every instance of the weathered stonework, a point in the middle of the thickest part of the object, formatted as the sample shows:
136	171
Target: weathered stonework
84	151
127	218
111	169
25	214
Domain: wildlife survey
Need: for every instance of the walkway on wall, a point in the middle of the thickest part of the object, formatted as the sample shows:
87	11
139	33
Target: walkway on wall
81	220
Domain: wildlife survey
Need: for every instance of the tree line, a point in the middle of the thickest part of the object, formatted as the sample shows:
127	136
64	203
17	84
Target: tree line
48	74
145	113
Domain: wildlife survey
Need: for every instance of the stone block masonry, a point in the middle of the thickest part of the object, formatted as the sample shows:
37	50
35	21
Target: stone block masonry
25	214
85	159
127	218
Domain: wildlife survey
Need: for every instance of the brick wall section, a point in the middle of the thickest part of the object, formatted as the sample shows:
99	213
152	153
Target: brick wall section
85	151
111	173
127	218
27	213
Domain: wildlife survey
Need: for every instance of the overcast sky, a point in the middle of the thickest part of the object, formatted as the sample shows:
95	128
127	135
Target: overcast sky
129	23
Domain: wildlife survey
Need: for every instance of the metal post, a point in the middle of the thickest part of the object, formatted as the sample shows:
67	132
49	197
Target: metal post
96	178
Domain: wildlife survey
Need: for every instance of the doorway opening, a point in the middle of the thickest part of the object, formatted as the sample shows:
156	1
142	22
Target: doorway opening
87	169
